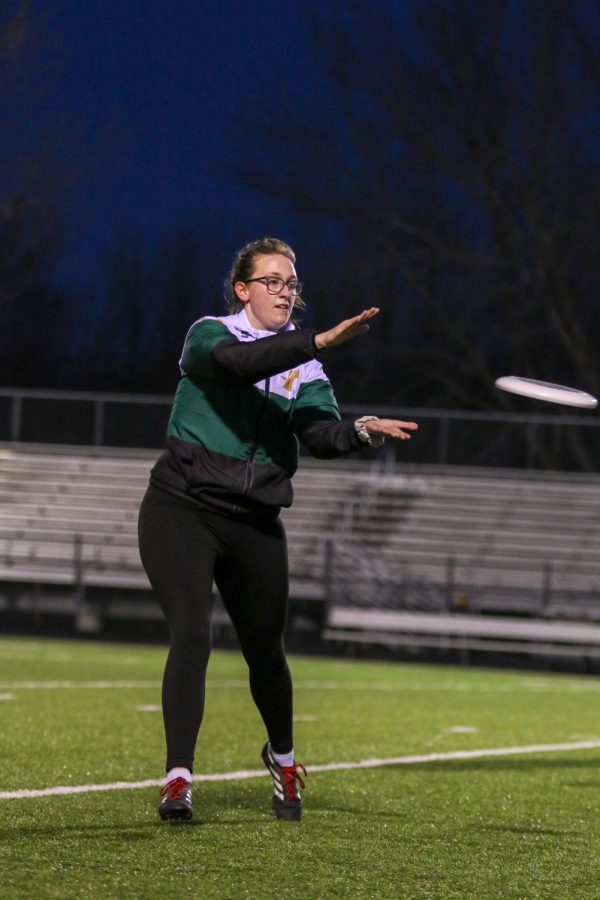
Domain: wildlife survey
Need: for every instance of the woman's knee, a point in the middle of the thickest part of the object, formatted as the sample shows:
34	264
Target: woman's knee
266	658
194	638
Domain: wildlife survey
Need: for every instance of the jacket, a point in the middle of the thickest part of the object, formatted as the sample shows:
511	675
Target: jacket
244	400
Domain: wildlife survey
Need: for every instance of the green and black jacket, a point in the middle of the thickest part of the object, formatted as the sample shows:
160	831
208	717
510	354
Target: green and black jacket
244	399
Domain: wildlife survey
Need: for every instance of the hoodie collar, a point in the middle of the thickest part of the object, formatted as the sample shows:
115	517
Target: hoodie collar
242	323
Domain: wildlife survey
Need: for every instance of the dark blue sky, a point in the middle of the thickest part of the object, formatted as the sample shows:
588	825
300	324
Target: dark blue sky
138	102
139	98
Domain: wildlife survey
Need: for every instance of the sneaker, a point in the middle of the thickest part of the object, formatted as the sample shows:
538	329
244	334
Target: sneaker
176	803
286	803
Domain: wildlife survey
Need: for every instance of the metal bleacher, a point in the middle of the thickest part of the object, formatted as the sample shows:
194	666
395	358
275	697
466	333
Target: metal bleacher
492	540
450	548
457	558
68	532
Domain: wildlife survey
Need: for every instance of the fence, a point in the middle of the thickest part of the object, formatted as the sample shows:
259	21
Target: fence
530	439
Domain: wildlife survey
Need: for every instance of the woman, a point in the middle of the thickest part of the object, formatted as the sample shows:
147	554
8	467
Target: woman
251	385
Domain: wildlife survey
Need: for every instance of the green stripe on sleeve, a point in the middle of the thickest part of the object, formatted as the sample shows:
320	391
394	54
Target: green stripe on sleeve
315	402
199	343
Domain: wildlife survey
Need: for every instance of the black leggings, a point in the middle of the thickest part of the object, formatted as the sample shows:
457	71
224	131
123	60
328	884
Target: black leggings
183	548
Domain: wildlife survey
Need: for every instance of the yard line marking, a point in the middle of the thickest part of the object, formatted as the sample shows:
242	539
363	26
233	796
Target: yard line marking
325	767
75	685
299	684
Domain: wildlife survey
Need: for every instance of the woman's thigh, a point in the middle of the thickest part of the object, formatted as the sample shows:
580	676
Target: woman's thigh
253	580
179	550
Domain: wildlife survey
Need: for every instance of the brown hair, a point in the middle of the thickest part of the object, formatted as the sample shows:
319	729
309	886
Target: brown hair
243	268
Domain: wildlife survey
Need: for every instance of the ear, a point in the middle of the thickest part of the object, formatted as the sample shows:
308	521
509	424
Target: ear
241	291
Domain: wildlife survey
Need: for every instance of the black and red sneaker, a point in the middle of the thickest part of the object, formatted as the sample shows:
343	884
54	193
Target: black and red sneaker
176	803
286	803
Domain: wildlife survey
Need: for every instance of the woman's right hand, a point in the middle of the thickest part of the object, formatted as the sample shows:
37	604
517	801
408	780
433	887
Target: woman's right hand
346	330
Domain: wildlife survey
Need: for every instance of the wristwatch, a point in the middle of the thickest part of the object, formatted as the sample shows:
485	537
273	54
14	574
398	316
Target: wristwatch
371	440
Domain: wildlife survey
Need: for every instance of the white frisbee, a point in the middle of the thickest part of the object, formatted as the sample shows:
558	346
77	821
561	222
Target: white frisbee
544	390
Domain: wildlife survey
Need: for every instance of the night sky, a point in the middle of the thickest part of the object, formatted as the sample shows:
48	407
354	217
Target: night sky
139	100
439	159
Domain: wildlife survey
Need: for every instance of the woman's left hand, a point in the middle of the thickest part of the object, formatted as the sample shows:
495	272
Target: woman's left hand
390	428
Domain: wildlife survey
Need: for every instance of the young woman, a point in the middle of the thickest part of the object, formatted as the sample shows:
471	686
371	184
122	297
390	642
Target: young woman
251	385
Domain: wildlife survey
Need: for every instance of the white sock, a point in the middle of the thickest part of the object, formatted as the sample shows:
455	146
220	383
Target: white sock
178	772
283	759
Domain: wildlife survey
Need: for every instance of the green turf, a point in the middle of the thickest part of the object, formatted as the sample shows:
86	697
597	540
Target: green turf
508	827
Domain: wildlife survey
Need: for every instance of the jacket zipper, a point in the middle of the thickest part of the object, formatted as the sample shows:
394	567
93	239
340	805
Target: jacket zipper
254	448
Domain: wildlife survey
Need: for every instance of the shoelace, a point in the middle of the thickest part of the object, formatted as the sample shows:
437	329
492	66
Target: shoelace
291	775
175	788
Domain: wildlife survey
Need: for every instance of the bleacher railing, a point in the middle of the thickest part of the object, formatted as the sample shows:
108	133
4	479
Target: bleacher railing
528	440
356	577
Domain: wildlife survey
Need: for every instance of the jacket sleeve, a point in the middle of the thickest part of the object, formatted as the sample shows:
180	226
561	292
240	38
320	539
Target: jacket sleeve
317	422
210	351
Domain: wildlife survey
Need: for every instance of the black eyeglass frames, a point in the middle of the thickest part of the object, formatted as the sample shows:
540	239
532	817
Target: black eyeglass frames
275	285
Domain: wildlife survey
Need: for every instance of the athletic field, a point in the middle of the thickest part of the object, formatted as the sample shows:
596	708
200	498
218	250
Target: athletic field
424	782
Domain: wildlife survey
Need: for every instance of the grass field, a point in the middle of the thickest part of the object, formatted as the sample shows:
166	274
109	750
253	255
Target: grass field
515	825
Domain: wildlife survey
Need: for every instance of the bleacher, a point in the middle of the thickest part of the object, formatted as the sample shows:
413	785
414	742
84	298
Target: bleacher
472	559
491	540
365	542
68	532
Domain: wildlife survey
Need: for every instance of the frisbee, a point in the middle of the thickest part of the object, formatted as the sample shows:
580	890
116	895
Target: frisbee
545	390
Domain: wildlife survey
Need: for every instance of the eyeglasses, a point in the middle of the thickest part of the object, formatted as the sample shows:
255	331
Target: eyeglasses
275	285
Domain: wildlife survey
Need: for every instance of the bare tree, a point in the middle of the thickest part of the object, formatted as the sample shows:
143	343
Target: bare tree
458	144
150	297
30	236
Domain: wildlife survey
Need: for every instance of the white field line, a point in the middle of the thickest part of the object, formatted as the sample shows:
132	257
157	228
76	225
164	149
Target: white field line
299	684
326	767
75	685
